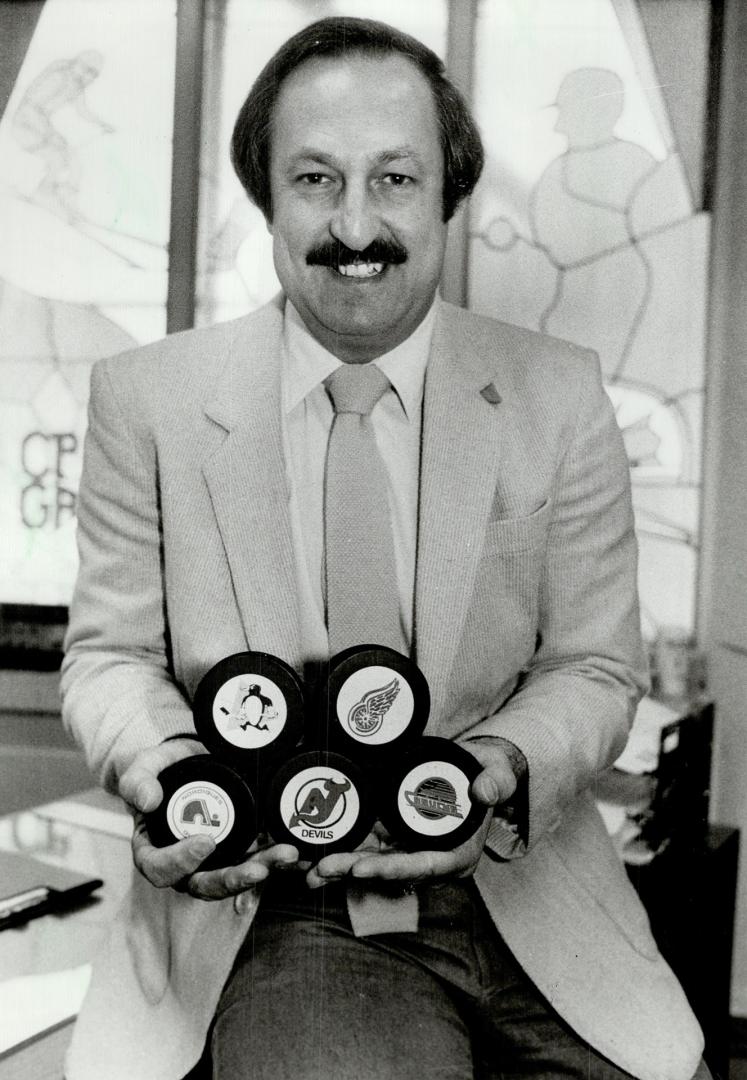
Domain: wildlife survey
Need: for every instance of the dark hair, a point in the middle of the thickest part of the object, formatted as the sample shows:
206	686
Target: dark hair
336	36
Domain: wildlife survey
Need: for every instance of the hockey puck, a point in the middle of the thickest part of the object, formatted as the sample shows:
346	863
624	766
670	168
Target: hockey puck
249	709
426	802
205	797
375	701
319	802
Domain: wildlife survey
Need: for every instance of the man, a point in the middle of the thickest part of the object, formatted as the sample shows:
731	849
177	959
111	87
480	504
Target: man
201	535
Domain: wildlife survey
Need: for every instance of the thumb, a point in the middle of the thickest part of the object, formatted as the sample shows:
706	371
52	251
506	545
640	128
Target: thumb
139	785
495	784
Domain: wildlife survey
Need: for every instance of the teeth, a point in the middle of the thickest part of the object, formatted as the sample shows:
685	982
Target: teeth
360	270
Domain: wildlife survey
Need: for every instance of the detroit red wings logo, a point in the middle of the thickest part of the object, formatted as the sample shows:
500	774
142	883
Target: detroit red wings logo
367	715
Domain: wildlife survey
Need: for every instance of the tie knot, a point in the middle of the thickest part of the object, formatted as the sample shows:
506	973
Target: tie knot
355	388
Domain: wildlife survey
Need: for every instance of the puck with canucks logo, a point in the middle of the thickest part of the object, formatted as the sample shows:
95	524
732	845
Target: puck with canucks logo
205	797
320	802
249	708
375	701
427	803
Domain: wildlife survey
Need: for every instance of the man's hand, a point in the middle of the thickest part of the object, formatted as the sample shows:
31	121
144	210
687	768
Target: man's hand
178	864
495	784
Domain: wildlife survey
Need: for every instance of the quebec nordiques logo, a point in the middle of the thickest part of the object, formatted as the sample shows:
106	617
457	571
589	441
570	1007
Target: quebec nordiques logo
200	809
320	805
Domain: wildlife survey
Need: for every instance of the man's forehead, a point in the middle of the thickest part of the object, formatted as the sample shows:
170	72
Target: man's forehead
373	91
334	70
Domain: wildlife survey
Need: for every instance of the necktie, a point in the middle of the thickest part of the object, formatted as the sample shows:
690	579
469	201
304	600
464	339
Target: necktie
360	576
360	570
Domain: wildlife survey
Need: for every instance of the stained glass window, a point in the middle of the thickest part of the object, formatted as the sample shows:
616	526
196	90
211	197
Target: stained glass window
585	226
85	174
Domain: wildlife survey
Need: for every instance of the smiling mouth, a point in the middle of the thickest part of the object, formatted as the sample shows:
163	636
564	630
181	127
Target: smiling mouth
360	269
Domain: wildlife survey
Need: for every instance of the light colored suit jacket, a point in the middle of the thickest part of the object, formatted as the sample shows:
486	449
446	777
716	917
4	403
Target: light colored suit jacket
526	626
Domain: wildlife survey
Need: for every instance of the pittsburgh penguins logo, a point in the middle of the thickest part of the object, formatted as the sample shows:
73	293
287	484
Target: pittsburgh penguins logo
367	715
251	708
315	807
435	798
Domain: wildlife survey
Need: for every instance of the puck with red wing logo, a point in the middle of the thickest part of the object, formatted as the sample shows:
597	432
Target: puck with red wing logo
321	803
375	701
249	709
427	803
205	797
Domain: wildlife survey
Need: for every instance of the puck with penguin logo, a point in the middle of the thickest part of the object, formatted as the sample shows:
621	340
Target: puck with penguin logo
320	802
427	803
375	701
249	709
205	797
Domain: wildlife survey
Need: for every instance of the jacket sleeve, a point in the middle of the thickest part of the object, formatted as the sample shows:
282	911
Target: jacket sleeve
119	695
575	701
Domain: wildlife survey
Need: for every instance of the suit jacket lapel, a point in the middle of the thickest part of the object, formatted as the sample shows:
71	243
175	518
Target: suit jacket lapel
247	481
461	448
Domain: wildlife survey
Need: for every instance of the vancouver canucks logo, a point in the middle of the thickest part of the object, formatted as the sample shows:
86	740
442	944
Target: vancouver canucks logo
435	798
315	807
367	715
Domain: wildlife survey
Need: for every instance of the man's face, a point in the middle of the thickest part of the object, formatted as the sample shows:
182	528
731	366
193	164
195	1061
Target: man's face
356	177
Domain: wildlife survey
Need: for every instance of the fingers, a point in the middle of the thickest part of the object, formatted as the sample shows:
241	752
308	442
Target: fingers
168	866
232	880
410	867
332	868
139	784
277	856
177	865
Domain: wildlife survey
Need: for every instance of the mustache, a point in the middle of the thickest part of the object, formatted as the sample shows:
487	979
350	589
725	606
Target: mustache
333	253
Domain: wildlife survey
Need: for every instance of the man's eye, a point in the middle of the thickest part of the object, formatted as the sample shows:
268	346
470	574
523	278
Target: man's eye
397	179
314	179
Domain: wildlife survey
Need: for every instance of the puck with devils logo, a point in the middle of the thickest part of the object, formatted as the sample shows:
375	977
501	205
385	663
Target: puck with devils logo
319	802
427	803
249	709
205	797
375	701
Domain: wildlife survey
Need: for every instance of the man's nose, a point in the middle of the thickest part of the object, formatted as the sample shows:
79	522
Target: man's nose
355	221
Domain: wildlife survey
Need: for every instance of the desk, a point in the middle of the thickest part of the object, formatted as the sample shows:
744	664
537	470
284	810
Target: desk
47	957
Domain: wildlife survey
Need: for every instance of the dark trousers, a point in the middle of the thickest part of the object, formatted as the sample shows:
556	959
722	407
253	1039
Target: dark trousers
309	1001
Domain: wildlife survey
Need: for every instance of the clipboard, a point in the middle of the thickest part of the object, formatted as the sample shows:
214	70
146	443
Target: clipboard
30	888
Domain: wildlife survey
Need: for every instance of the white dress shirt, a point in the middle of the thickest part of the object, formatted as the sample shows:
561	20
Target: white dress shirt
307	420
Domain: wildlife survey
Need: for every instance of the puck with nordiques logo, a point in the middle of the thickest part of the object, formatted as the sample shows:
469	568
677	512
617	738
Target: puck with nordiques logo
249	709
426	804
205	797
321	803
375	701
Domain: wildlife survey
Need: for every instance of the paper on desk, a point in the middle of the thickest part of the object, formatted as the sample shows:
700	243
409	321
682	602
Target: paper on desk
111	817
32	1004
641	755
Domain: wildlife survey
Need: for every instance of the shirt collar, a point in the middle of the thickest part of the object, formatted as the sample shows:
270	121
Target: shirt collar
306	363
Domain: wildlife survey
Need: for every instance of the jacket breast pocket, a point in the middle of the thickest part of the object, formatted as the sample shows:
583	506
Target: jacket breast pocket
507	536
502	620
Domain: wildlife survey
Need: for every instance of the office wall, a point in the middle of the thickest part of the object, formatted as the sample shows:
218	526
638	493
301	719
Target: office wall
723	597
